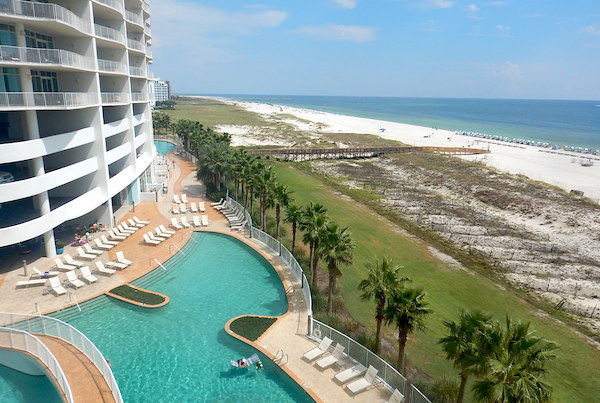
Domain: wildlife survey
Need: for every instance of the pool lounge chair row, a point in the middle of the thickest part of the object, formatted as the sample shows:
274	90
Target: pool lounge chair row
162	234
197	221
177	208
179	200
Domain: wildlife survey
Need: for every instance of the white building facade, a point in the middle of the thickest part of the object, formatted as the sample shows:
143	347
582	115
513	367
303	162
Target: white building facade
162	91
75	119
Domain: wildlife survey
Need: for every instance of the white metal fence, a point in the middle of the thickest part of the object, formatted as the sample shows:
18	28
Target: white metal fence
108	33
44	11
44	56
57	328
49	100
21	340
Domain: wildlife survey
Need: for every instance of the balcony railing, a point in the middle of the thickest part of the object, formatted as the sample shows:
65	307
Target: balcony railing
45	56
109	33
116	4
47	100
46	11
115	97
111	66
139	97
135	44
133	17
137	71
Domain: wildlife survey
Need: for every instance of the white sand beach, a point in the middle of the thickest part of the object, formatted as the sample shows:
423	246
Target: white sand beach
556	167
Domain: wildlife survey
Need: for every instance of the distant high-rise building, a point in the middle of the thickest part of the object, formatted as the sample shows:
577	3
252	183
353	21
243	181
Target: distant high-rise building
75	119
162	90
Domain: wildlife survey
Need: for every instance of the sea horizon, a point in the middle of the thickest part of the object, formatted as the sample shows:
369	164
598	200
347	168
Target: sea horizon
560	123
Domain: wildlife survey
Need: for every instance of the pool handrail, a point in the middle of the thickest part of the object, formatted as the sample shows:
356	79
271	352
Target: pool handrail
55	327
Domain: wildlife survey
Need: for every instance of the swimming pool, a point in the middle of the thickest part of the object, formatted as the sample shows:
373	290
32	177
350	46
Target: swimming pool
163	147
181	352
17	387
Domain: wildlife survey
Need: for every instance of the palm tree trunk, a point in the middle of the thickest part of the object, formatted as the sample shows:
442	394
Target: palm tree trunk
293	237
402	337
311	252
331	290
277	218
379	319
313	264
461	390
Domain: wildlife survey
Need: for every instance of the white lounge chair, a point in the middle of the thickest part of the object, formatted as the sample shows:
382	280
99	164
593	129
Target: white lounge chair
72	262
204	220
73	280
137	220
182	208
217	203
135	224
118	230
336	357
56	287
319	350
396	397
160	233
196	220
62	266
166	231
184	198
193	207
114	237
87	275
92	251
34	282
185	222
127	228
43	274
101	245
83	255
175	208
100	268
155	237
201	207
121	258
150	241
115	265
364	383
175	224
176	199
222	206
350	373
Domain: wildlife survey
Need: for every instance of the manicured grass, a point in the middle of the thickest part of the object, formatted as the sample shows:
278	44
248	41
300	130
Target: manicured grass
212	113
146	298
574	375
251	327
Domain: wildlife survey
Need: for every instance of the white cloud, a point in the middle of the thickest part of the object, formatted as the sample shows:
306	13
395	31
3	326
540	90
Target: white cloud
591	29
352	33
508	70
503	28
349	4
439	3
472	8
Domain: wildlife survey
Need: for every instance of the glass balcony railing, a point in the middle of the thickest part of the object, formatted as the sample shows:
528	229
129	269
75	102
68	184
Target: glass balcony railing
133	17
139	97
114	97
135	44
116	4
111	66
47	100
46	11
137	71
109	33
45	56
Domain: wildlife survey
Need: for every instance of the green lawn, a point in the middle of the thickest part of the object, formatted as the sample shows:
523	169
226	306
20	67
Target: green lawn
212	113
575	375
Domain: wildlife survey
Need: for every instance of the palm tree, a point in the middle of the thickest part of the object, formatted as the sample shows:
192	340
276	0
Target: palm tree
515	360
461	345
336	249
313	224
293	215
281	198
213	162
382	280
265	184
407	308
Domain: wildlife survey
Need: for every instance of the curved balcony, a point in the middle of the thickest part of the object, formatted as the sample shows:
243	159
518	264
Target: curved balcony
137	71
54	57
45	11
32	186
116	4
139	97
46	100
134	18
136	45
117	153
110	66
116	127
109	33
115	98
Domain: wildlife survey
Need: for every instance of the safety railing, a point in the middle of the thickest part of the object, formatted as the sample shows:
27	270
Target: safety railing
364	356
114	97
57	328
116	4
108	33
137	71
139	97
44	56
133	17
135	44
111	66
21	340
49	100
238	208
48	11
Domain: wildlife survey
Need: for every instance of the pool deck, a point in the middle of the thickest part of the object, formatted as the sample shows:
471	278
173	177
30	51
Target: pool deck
287	334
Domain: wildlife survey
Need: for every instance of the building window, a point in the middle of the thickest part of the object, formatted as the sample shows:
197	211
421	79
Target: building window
38	41
7	35
9	80
44	81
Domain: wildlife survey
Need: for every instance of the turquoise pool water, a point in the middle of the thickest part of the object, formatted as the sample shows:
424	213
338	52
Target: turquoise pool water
180	352
163	147
17	387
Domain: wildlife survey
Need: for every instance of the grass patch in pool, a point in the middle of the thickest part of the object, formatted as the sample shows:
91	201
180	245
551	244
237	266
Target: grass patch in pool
134	294
251	327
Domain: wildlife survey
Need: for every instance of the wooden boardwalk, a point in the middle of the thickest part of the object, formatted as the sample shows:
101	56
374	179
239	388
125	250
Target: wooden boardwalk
302	154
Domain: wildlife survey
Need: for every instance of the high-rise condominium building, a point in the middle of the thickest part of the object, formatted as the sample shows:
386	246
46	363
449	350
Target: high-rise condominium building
162	91
75	123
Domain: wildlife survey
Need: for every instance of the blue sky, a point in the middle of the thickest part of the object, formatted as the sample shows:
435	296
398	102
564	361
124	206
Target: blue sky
537	49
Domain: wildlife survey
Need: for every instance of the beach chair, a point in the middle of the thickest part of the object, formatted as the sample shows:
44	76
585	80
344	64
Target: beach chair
185	222
100	268
137	220
174	208
161	234
113	236
196	220
336	357
364	383
88	249
318	351
87	275
126	227
204	220
135	224
115	265
73	281
350	373
396	397
156	237
176	199
184	198
182	208
81	254
175	224
217	203
121	258
193	207
150	241
166	231
72	262
62	266
56	287
34	282
118	230
43	274
201	207
124	231
101	245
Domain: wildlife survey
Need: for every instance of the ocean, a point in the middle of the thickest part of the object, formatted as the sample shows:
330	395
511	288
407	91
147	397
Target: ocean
560	123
